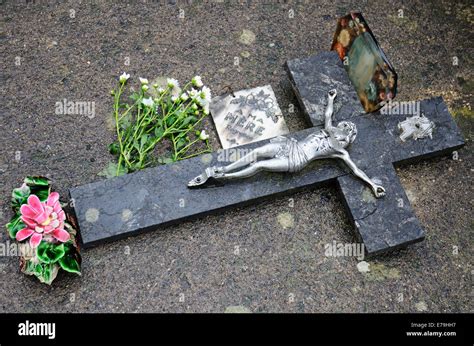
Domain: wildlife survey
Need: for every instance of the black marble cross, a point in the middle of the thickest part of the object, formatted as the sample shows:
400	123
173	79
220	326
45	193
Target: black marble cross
156	197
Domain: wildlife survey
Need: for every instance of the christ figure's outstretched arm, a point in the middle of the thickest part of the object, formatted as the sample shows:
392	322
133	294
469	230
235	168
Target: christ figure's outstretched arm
329	109
378	190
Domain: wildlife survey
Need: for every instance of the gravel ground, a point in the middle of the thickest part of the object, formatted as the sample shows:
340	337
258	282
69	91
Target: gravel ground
264	258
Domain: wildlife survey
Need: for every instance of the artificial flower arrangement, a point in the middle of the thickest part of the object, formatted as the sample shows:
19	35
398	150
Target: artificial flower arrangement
46	236
158	114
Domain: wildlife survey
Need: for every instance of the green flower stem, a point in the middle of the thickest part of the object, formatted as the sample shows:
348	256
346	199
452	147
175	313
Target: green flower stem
171	113
140	127
163	123
174	144
174	139
184	111
140	124
150	120
126	112
187	147
116	113
192	126
178	99
208	150
167	130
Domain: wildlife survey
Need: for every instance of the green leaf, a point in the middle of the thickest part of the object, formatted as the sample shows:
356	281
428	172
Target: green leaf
46	273
143	140
126	121
37	181
69	262
20	196
181	143
165	160
114	148
136	166
41	191
178	113
38	269
14	226
170	121
39	186
49	252
110	170
29	267
135	96
159	132
188	120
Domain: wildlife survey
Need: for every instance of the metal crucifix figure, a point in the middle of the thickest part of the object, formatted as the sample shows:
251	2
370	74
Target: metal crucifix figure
283	154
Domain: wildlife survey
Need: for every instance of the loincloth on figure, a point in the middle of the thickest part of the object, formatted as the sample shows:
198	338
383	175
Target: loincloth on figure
291	150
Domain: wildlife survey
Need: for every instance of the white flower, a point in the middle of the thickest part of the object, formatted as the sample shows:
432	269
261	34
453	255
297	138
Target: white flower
194	106
206	109
145	87
203	97
193	93
206	94
143	80
197	81
123	78
161	90
184	96
200	101
174	98
172	83
148	102
203	136
176	92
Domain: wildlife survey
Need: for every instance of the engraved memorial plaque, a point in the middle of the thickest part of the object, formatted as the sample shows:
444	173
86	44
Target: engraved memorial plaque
247	116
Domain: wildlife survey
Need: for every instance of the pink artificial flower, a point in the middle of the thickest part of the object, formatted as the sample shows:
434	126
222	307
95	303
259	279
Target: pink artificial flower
42	218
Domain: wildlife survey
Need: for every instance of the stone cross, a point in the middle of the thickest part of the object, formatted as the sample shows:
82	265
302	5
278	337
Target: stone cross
156	197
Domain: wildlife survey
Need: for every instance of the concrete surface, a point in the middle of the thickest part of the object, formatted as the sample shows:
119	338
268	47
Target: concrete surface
266	258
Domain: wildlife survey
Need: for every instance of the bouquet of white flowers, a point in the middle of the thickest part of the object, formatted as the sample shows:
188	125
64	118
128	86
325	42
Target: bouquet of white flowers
166	113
